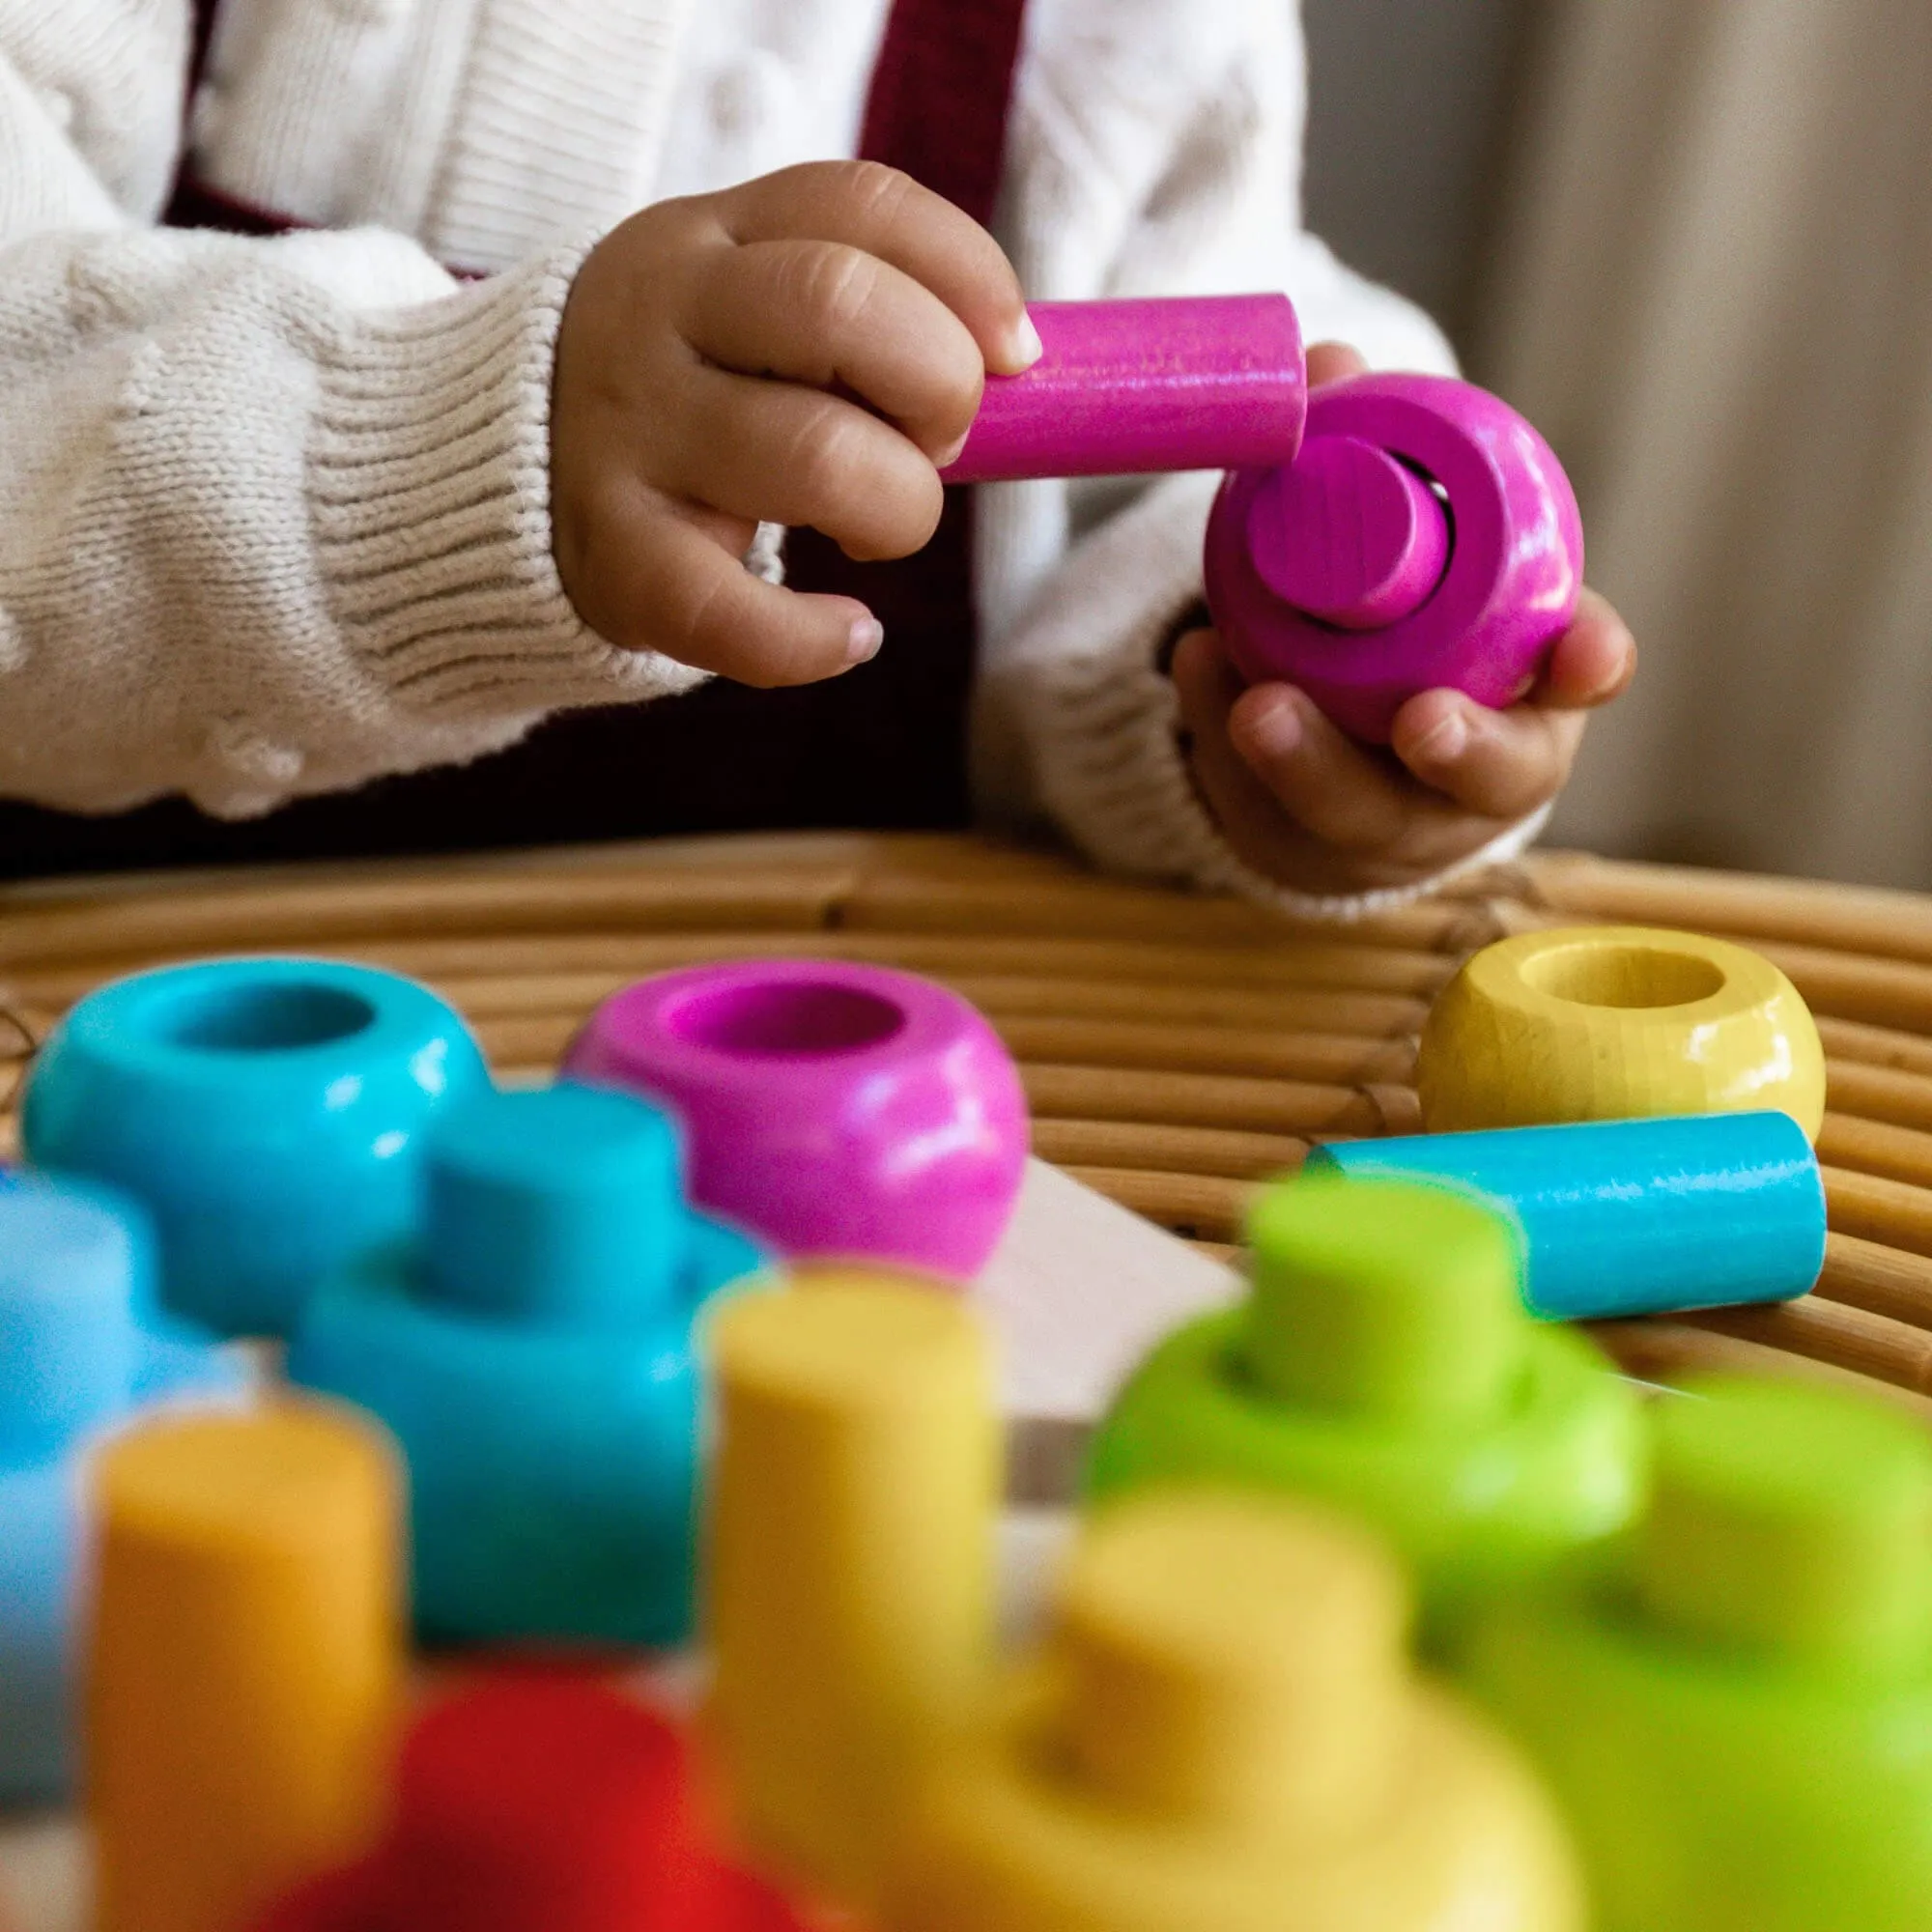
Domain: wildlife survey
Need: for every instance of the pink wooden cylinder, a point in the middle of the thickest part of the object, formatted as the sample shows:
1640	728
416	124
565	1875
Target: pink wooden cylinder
1126	388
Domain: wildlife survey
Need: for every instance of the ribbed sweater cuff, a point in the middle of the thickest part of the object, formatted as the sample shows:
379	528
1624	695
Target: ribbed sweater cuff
1108	734
429	489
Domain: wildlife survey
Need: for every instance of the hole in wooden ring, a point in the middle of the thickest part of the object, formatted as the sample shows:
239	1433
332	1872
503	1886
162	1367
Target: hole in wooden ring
1626	975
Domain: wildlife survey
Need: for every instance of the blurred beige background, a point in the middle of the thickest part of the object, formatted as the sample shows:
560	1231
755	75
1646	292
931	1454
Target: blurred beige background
1692	239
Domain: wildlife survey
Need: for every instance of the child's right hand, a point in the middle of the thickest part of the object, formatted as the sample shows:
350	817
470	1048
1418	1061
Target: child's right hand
703	366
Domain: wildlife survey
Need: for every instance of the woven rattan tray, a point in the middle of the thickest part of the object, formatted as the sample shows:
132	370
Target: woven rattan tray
1176	1050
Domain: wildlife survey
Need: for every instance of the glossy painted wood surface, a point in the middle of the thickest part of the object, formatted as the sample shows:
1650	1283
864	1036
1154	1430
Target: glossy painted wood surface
1177	1050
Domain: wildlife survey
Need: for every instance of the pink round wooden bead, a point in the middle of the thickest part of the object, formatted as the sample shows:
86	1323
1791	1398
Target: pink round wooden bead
833	1108
1334	582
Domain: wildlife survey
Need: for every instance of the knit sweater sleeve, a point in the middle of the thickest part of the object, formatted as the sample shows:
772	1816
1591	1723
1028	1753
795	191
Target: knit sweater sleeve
1076	716
274	514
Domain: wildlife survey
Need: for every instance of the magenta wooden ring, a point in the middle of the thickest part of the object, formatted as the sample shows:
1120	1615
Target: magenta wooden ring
1510	590
832	1109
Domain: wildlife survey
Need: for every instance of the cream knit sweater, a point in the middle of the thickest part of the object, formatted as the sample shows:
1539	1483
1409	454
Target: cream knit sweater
274	515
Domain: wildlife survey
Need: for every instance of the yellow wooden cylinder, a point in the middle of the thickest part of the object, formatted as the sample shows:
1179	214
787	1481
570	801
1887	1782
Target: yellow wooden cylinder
1217	1670
1616	1022
850	1579
1224	1735
246	1661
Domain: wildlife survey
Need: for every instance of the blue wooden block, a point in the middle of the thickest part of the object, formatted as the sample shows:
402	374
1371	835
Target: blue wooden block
82	1347
532	1353
268	1111
1634	1217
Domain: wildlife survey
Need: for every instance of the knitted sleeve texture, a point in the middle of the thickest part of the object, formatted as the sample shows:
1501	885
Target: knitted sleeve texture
274	515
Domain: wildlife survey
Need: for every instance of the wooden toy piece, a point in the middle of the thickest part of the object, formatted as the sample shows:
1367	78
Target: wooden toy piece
245	1660
1616	1022
1425	536
266	1110
1384	1363
1348	534
1386	534
532	1354
835	1109
1223	1733
1632	1217
1121	387
81	1348
1736	1712
850	1559
531	1802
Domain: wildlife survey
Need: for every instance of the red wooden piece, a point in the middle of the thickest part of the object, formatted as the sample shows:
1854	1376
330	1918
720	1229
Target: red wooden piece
536	1802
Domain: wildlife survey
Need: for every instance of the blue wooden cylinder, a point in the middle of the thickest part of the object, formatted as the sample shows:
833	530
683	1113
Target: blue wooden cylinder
1634	1217
533	1354
82	1349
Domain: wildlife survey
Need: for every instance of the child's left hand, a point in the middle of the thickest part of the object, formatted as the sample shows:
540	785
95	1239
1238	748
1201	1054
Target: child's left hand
1308	807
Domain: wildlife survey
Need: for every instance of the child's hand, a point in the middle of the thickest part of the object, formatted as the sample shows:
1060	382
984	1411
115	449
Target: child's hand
703	366
1306	805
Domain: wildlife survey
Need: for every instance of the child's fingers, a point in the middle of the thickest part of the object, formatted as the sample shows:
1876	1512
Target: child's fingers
1264	750
1331	362
1499	764
1207	688
779	453
1392	830
667	584
1592	662
825	313
1323	780
1205	679
889	215
685	596
1505	764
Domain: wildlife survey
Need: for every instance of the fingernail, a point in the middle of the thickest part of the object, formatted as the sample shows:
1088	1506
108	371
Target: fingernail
867	635
1026	347
949	455
1277	731
1447	743
1620	675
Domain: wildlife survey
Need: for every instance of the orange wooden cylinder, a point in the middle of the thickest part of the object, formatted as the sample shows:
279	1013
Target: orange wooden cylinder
245	1664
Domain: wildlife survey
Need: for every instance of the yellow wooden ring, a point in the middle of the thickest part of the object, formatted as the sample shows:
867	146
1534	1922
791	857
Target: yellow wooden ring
1616	1022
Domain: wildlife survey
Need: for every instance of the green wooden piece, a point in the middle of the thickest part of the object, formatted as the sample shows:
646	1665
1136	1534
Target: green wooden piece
1734	1705
1384	1363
